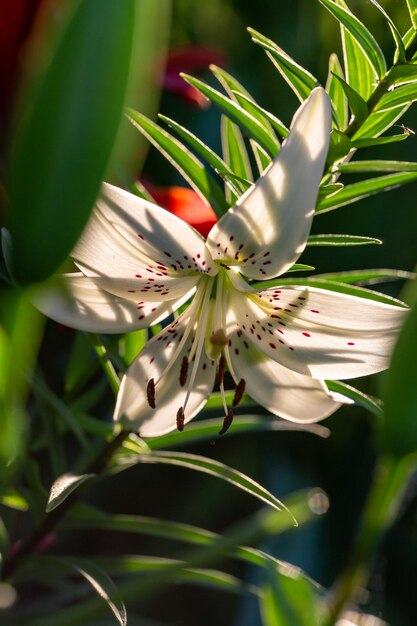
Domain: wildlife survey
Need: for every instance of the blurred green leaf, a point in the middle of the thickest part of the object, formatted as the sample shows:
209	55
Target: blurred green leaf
132	344
399	432
207	154
357	104
185	162
373	405
207	466
363	189
238	114
63	487
360	33
336	92
298	78
341	240
14	500
66	135
367	276
412	7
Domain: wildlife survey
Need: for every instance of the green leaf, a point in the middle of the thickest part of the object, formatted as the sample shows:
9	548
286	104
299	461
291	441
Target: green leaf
340	145
207	466
207	154
400	50
132	344
398	96
260	113
235	154
365	188
357	104
341	240
379	141
66	134
336	92
300	267
367	277
299	79
360	34
360	74
62	487
373	405
262	158
399	432
403	73
14	500
184	161
356	167
379	122
412	7
247	122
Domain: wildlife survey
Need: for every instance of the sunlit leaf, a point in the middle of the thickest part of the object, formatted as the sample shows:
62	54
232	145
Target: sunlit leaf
365	188
301	81
378	122
356	167
357	104
66	134
400	50
340	146
336	92
259	113
234	152
412	7
398	96
379	141
373	405
367	277
341	240
187	164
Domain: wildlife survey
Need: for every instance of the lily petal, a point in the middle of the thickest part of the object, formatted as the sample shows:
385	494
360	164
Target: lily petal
267	229
78	302
320	333
282	391
161	361
134	240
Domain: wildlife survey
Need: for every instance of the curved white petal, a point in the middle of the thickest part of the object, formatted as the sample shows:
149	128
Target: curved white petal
140	244
320	333
162	352
282	391
267	229
79	302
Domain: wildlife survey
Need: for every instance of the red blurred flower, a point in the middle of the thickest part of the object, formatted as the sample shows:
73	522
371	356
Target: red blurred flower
189	59
185	204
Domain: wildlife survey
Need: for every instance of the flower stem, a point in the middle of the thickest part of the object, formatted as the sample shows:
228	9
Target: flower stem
105	362
385	497
30	544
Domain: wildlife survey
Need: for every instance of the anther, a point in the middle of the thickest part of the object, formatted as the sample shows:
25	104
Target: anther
150	393
220	371
218	337
184	371
227	422
239	391
180	419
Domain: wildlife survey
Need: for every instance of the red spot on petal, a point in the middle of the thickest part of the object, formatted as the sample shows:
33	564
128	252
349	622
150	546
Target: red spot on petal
306	334
273	346
351	343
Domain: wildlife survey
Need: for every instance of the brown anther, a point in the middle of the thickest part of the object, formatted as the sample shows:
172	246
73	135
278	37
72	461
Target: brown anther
218	337
184	371
227	422
220	371
150	393
180	419
239	391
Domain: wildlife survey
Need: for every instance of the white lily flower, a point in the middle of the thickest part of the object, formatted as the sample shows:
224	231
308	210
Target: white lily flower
138	263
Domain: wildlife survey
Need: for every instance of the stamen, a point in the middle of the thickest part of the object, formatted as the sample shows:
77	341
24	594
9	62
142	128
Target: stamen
150	393
227	422
180	419
218	337
184	371
220	371
239	391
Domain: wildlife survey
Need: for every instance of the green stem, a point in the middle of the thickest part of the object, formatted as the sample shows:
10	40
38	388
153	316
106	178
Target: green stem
388	486
105	362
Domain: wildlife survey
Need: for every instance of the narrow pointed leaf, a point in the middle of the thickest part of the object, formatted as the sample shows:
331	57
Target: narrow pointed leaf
399	96
300	267
371	404
62	487
336	92
301	81
400	49
412	7
262	158
258	112
367	277
213	159
361	35
247	122
365	188
357	104
340	146
379	121
73	110
208	466
341	240
356	167
234	150
190	167
379	141
403	73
